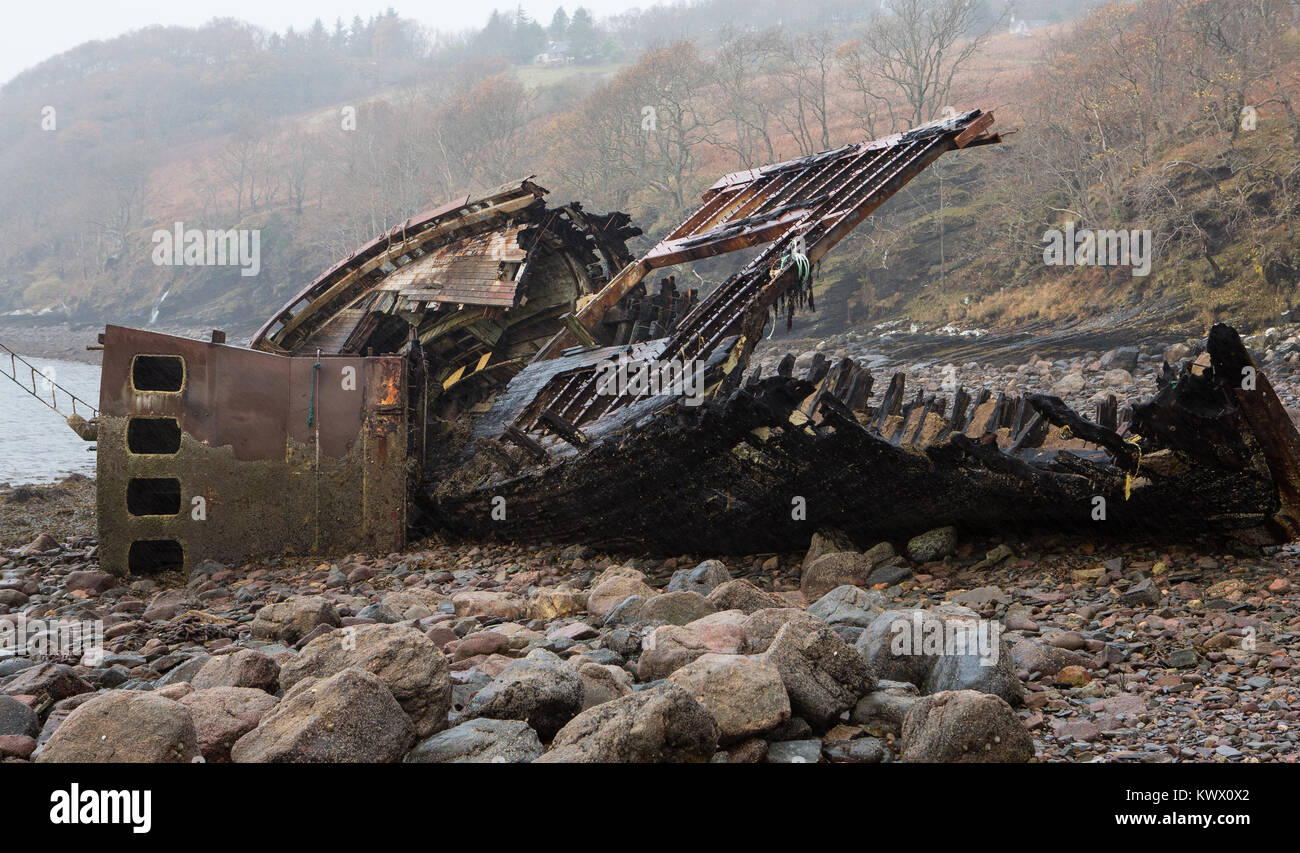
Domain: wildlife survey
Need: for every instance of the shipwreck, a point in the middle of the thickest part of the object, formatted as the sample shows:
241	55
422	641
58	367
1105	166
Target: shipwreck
455	374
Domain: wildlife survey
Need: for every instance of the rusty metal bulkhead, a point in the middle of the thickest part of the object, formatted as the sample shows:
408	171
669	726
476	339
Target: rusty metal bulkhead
209	451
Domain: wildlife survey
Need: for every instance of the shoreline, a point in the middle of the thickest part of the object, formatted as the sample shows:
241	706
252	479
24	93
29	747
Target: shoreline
62	341
67	341
1120	652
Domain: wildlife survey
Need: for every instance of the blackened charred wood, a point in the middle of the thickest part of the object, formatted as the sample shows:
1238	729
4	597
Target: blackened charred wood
960	400
563	428
990	426
980	397
1108	413
859	391
820	367
920	421
1059	414
1026	436
892	402
1018	424
1269	422
517	436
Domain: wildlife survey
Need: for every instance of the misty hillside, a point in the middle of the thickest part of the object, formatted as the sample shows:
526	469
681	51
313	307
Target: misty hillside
1132	116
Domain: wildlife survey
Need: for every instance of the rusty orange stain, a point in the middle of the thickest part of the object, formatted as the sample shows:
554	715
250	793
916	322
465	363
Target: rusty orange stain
389	389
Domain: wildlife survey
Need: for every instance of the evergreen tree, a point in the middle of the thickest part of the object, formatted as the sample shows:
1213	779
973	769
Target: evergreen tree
528	38
559	28
584	40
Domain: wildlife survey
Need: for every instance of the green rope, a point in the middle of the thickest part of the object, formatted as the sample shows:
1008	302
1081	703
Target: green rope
802	265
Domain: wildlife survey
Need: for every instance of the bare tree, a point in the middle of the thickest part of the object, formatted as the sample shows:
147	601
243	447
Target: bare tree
300	153
810	62
747	101
915	48
239	162
860	79
1239	52
640	132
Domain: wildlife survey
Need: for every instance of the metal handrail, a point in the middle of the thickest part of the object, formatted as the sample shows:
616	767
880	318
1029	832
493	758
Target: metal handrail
53	401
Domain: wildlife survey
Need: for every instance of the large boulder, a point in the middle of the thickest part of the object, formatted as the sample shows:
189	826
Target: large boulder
663	723
222	715
416	674
762	626
553	602
832	570
169	604
848	605
676	608
744	694
1121	358
289	621
609	593
823	675
883	710
414	602
18	719
1117	378
486	604
992	673
539	690
704	578
932	545
740	594
1035	657
244	668
885	652
828	540
627	612
1070	383
349	717
92	582
602	682
58	681
124	726
669	647
481	741
964	726
183	672
944	648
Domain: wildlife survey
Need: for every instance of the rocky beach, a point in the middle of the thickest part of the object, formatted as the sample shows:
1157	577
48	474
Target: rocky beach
1080	649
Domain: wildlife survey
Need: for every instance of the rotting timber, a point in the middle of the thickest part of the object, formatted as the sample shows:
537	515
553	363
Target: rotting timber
475	336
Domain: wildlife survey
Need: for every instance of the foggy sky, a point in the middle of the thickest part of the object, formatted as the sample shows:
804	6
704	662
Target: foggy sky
37	31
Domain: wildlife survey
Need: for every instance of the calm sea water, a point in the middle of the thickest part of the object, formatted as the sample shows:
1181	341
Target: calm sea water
36	446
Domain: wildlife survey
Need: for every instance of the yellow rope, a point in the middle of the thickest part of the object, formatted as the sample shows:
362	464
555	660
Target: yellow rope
1128	478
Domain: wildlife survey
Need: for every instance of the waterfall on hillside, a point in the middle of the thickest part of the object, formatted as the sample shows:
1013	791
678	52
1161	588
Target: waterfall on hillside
153	315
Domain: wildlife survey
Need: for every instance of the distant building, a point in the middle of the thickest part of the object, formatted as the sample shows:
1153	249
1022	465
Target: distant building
552	60
556	53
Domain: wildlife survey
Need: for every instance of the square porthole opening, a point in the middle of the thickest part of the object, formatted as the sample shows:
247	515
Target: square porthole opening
157	372
153	496
149	556
153	435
